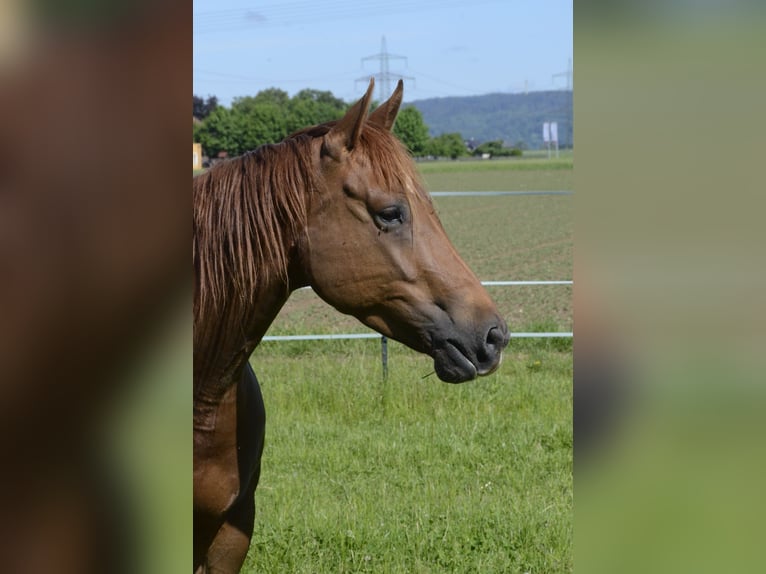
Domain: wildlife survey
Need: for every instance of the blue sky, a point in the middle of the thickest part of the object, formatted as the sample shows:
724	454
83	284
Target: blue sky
452	48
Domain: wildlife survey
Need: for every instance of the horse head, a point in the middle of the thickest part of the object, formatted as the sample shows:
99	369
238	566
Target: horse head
374	247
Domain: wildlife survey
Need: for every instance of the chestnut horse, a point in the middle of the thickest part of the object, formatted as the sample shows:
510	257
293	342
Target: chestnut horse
338	207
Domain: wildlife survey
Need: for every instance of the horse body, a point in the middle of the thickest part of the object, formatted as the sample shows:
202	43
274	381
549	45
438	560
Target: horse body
338	207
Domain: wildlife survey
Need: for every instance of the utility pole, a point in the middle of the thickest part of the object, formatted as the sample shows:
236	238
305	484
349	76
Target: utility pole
385	76
568	74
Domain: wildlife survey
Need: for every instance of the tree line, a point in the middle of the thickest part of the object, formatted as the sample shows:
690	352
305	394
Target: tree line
271	115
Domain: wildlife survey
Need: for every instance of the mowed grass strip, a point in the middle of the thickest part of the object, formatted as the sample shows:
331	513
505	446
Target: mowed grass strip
532	162
499	175
410	474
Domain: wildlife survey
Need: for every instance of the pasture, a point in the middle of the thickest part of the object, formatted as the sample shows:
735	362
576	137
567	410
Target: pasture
410	474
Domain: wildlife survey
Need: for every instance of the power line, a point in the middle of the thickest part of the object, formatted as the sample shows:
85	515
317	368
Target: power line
442	82
288	13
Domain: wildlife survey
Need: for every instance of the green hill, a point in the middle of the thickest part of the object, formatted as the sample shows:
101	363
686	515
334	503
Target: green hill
512	118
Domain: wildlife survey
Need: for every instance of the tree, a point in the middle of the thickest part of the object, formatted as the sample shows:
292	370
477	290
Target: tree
493	148
310	107
448	145
271	96
267	117
264	117
324	98
412	130
202	108
222	130
263	124
496	149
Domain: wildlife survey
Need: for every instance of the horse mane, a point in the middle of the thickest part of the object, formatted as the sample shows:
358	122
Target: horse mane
249	211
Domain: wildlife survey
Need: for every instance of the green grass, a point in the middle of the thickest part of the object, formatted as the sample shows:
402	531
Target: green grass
500	164
499	175
410	474
535	174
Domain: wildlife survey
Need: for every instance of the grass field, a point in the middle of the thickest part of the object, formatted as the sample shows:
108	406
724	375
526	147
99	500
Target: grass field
498	175
411	475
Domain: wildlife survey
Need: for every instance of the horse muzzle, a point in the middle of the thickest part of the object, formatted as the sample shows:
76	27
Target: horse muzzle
462	356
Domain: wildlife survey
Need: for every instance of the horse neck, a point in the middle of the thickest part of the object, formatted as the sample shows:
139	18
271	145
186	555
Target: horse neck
222	348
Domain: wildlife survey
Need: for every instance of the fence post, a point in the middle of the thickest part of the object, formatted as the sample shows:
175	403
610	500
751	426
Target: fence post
384	355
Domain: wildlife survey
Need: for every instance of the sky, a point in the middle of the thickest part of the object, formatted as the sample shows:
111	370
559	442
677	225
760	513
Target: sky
445	47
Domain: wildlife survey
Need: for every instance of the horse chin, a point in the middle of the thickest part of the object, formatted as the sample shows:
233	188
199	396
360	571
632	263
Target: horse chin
452	366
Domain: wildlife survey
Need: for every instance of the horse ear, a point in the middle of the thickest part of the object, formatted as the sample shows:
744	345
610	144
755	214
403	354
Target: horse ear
345	133
385	114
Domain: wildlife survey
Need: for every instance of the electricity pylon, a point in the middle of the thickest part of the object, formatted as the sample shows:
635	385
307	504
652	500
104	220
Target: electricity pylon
385	76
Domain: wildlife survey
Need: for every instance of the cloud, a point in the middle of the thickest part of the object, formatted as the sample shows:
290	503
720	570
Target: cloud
256	17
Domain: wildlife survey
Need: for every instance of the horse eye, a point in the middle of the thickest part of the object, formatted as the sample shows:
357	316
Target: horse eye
391	215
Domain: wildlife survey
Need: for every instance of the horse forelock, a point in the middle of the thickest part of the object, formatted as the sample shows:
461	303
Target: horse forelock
390	162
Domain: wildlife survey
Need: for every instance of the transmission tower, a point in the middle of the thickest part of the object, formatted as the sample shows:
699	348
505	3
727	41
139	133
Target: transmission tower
385	76
567	74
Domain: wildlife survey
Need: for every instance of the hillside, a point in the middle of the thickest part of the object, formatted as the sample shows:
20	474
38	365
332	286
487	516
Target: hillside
510	117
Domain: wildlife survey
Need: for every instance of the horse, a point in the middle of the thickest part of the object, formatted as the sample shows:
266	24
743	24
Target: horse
338	207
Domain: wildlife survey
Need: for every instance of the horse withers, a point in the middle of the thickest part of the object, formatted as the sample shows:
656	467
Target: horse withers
338	207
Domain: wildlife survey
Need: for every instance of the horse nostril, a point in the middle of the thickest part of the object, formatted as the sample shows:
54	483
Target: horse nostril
494	343
496	338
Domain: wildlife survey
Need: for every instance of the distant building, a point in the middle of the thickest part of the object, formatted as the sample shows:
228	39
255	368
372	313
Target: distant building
197	156
472	144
